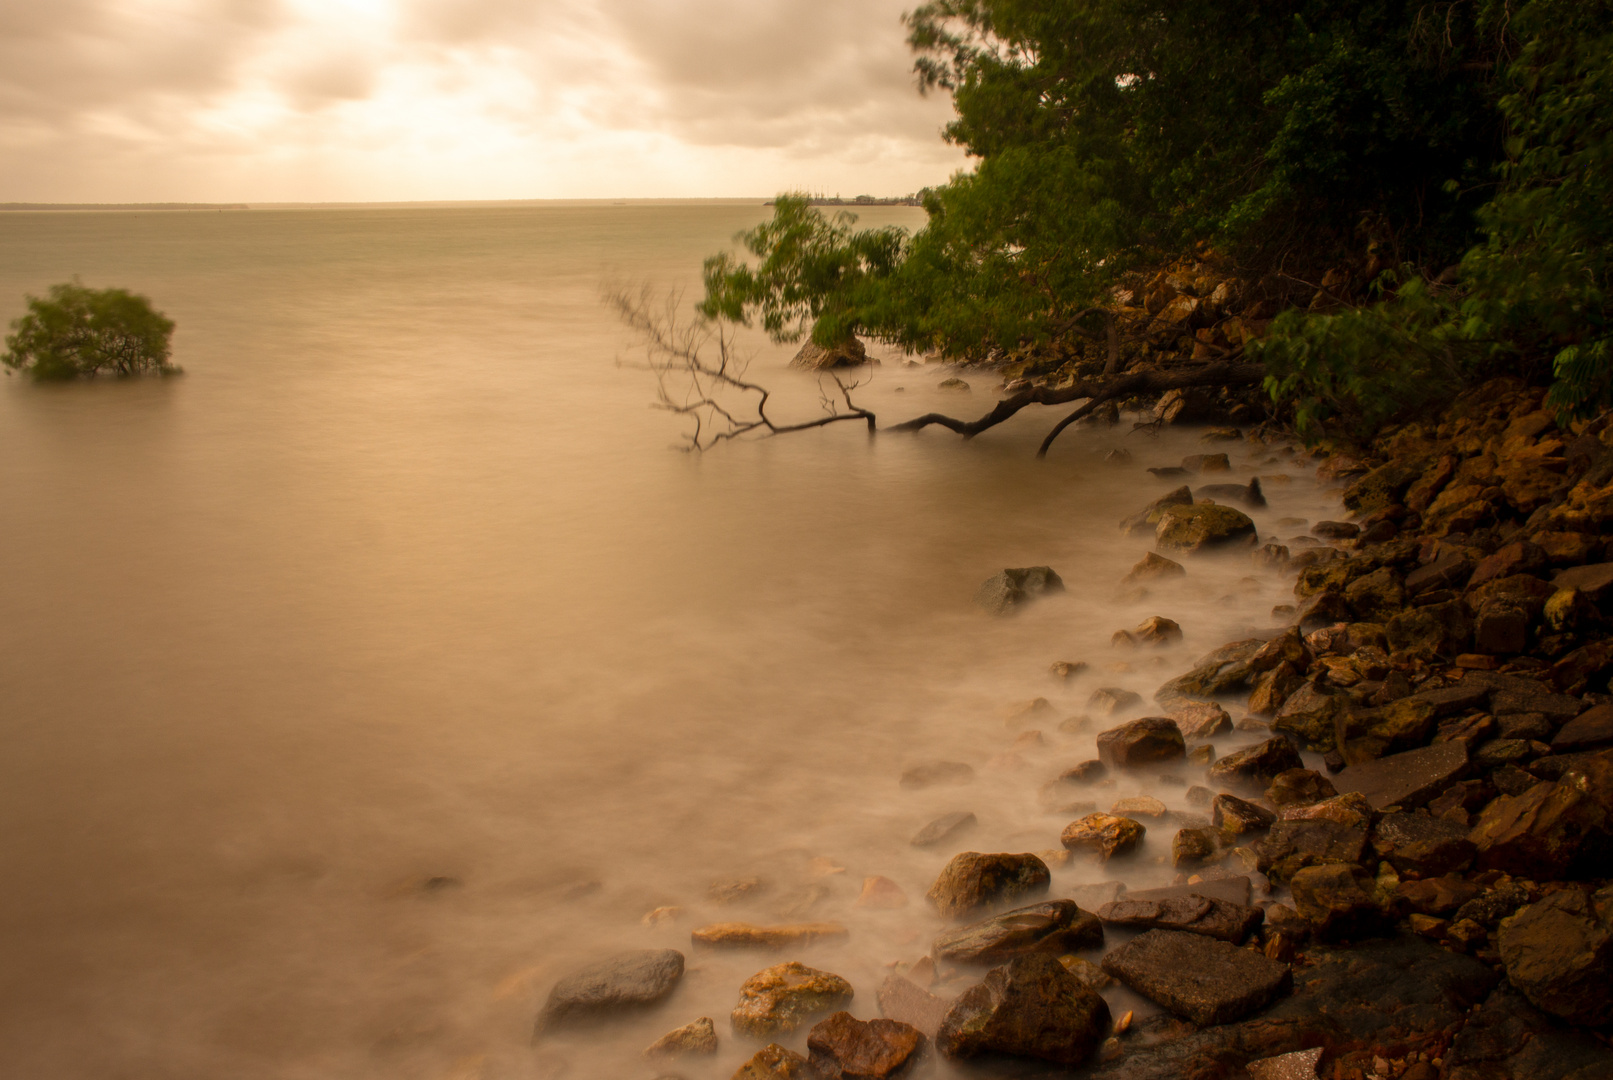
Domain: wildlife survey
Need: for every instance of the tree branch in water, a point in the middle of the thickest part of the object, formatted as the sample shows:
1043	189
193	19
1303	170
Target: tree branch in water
700	375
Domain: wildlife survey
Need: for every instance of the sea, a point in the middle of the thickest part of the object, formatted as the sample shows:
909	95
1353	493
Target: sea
398	659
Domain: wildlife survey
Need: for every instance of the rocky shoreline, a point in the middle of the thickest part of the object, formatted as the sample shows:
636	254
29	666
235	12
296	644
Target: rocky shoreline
1432	902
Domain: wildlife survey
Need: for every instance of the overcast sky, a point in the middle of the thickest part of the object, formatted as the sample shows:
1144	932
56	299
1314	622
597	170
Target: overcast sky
312	100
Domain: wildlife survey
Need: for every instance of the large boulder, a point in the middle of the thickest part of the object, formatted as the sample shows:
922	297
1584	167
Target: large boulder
814	357
1202	526
625	983
1552	830
1207	981
1146	520
1105	835
1012	589
1195	914
1055	926
1256	766
1142	742
1559	953
1030	1007
780	998
972	882
845	1048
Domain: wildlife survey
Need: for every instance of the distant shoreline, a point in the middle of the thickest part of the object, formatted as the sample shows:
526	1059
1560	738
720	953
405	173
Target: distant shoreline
22	207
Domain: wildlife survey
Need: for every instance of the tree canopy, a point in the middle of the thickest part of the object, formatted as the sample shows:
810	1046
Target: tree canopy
76	331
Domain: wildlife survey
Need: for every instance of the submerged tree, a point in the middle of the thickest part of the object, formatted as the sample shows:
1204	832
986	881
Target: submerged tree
76	331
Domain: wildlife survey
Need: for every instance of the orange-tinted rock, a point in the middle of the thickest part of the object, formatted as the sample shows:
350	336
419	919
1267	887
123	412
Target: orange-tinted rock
841	1046
973	881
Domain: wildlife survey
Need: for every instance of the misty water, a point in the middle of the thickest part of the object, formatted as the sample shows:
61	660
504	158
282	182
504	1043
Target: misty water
390	662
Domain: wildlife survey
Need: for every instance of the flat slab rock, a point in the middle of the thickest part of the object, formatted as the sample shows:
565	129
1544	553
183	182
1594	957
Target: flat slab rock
627	981
1056	927
1206	981
901	998
1195	914
1406	780
1234	890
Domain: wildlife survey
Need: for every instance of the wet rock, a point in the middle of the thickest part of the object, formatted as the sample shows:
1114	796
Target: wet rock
1297	1065
1194	914
1408	779
1018	714
624	983
1207	981
1110	700
1067	669
1350	810
1054	927
738	935
780	998
1141	742
841	1046
1203	463
1594	582
1450	570
1273	688
1138	806
1519	558
1495	904
1444	629
1201	527
1146	520
1551	829
1337	900
1030	1007
938	774
1105	835
1290	846
1013	589
1234	890
1086	772
954	384
1508	1037
1256	766
1426	845
1193	847
1299	787
1384	486
1154	630
1235	817
698	1037
1364	735
1377	596
1310	712
773	1062
1592	728
1437	896
1200	719
1224	671
850	353
972	881
1501	628
1559	953
902	999
944	829
1498	752
1154	568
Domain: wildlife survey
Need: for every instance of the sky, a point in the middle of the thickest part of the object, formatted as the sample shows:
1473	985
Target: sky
392	100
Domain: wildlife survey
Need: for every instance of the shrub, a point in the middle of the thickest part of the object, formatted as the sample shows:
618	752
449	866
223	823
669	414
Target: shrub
78	331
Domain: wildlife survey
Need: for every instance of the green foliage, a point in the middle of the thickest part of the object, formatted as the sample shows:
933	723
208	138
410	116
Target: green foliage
78	331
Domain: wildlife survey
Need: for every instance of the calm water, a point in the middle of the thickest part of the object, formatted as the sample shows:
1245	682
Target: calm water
401	582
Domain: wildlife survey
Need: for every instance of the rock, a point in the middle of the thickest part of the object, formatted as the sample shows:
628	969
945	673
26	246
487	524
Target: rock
954	384
1207	981
738	935
780	998
1594	582
1103	834
1407	780
1086	772
1235	817
1248	494
1154	568
625	982
1201	527
1376	597
881	894
1220	919
1501	628
972	881
841	1046
937	774
902	999
1055	927
1110	700
1224	671
1233	890
1553	829
1192	847
698	1037
814	357
1444	629
1450	570
773	1062
1337	900
945	828
1273	688
1384	486
1030	1007
1350	810
1013	589
1590	729
1203	463
1154	630
1437	896
1503	900
1299	786
1141	742
1367	734
1508	1037
1310	712
1290	846
1256	766
1559	954
1138	806
1298	1065
1271	557
1067	669
1335	530
1147	519
1426	845
1200	719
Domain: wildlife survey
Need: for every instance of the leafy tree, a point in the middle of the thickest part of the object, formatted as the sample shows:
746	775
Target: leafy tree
78	331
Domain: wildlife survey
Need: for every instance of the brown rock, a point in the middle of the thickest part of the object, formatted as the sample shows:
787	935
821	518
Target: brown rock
1519	558
1030	1007
1105	835
1590	729
1154	567
698	1037
1201	527
1501	628
841	1046
1291	846
1437	896
1154	630
1139	806
1594	582
1147	519
1426	845
1302	786
1200	719
1255	766
1350	810
972	881
1337	900
1566	548
1141	742
1235	817
1012	589
780	998
1054	926
1220	919
1110	700
1407	779
1207	981
1551	829
1192	847
945	828
902	999
938	774
1559	953
881	894
773	1062
738	935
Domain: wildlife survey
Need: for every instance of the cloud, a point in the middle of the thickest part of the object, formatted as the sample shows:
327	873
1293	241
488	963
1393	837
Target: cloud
386	99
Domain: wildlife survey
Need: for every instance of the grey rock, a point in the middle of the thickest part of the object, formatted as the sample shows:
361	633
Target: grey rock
945	828
902	999
1207	981
625	982
1012	589
1194	913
